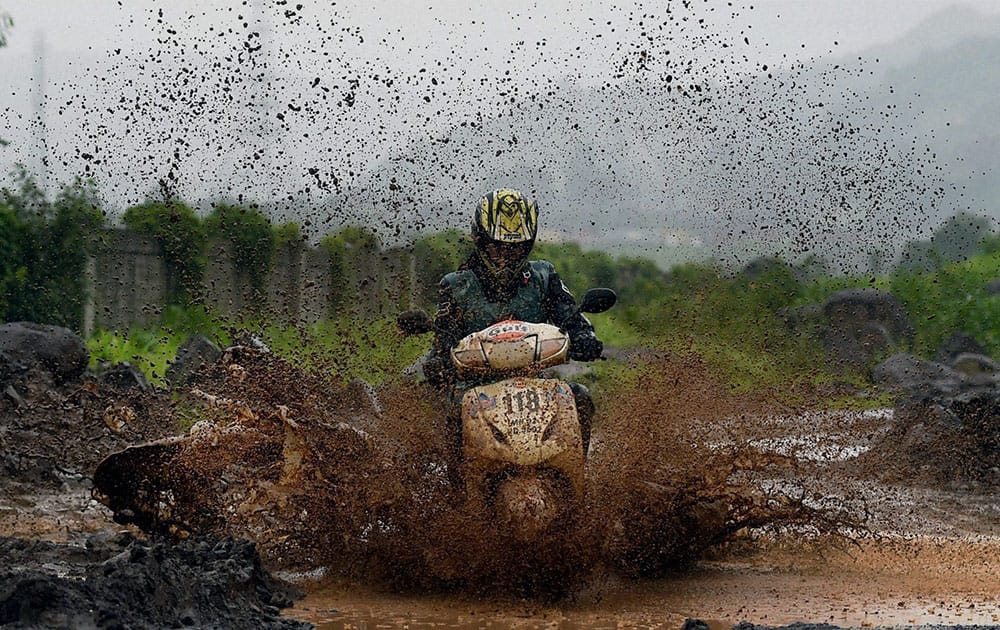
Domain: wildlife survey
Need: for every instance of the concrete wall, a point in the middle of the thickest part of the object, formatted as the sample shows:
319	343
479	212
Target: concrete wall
316	286
129	281
129	284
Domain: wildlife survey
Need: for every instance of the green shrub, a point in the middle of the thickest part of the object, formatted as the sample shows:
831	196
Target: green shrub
252	238
578	269
45	246
952	300
287	234
374	350
151	349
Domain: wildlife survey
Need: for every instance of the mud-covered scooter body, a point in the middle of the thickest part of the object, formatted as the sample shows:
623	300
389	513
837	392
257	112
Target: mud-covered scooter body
523	452
523	460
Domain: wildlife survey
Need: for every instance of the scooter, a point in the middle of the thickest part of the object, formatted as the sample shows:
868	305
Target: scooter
523	453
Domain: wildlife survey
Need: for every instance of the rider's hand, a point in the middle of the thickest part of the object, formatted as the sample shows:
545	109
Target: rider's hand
585	347
438	371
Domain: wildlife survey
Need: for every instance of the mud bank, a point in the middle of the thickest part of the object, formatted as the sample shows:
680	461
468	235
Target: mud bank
60	564
117	581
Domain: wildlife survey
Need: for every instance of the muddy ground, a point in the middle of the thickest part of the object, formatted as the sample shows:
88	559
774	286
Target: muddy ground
733	509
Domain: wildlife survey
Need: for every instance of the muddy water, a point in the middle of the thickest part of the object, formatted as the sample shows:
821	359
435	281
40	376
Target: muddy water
757	514
924	581
927	556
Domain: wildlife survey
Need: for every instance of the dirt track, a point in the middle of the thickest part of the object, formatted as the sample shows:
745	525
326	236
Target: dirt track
927	554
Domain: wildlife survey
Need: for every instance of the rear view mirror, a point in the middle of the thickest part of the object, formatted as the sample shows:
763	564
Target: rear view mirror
598	300
415	322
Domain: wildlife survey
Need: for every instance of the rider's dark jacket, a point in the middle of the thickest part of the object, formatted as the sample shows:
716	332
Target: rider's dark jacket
469	300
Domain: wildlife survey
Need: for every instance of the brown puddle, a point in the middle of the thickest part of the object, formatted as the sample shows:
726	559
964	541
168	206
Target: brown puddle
922	581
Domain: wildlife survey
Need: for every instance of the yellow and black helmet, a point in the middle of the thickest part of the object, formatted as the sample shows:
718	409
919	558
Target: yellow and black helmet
506	216
504	229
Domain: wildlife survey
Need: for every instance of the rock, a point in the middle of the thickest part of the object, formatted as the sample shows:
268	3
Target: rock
109	540
855	351
980	415
119	582
958	343
947	438
852	310
695	624
252	342
416	369
993	287
123	376
905	372
973	364
802	318
57	350
196	353
863	324
10	368
13	395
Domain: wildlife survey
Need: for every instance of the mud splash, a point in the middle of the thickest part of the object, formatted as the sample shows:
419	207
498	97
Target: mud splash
323	473
332	481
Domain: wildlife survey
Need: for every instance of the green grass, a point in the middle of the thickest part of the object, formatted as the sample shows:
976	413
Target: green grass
374	351
615	330
730	323
152	349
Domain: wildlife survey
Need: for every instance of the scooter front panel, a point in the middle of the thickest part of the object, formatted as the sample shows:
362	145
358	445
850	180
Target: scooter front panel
523	421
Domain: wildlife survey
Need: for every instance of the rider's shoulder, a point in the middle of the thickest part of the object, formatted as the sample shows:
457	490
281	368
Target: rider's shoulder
457	279
542	266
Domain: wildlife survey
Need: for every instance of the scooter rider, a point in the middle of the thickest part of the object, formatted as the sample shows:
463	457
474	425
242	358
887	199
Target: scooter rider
498	282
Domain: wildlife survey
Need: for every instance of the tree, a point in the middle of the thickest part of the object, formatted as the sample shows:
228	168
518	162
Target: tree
958	237
353	262
13	268
251	235
954	240
990	244
578	269
918	256
46	250
639	280
438	254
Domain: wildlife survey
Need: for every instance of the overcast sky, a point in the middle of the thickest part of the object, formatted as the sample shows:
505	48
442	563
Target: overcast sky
793	27
101	49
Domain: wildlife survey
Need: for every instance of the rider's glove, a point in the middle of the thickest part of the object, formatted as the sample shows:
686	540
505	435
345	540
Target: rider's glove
438	371
585	347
